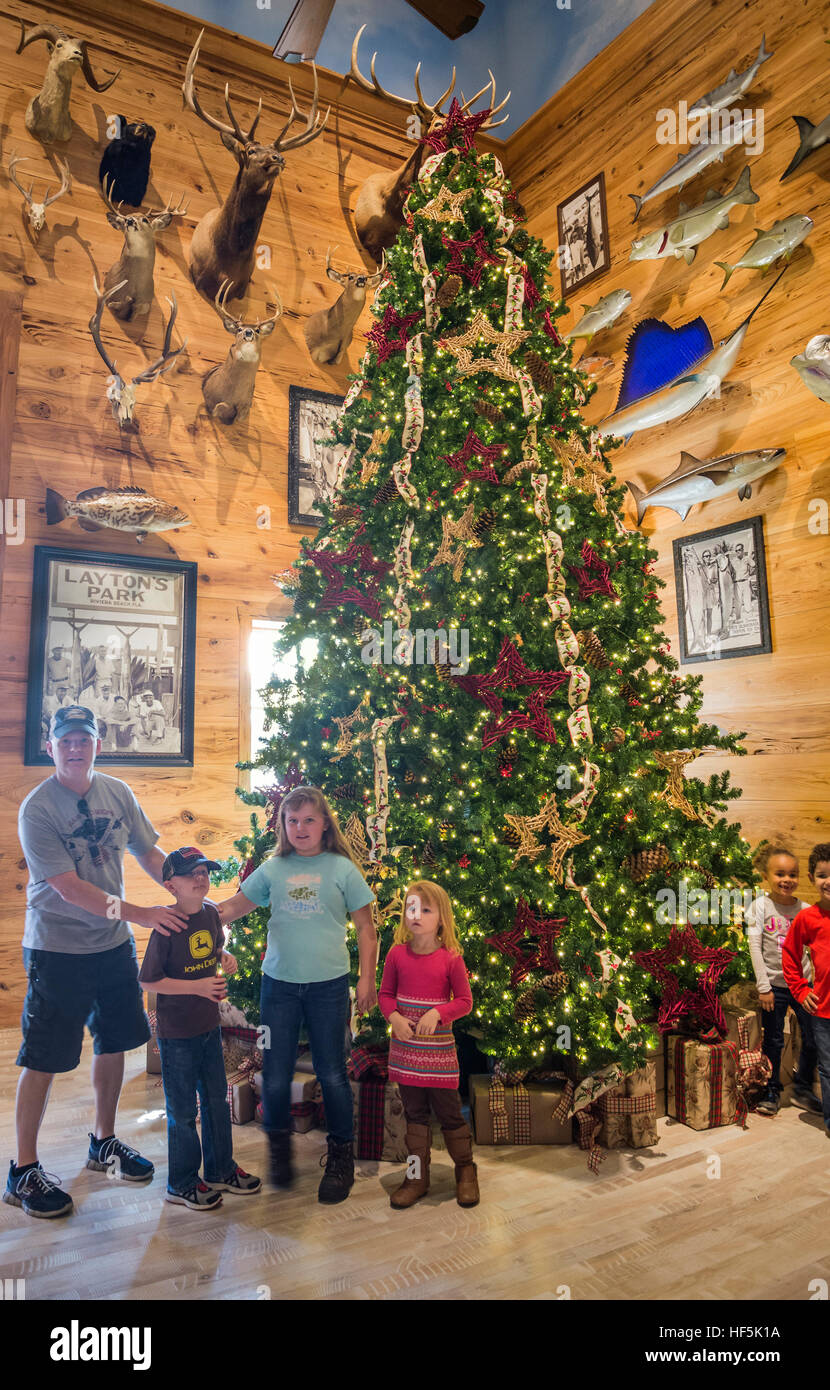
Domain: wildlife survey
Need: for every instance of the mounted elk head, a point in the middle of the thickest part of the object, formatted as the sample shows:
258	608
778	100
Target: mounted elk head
121	393
329	331
229	389
378	212
47	115
36	212
224	242
133	271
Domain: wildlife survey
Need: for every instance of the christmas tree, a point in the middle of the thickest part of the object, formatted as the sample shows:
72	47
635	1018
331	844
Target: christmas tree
532	760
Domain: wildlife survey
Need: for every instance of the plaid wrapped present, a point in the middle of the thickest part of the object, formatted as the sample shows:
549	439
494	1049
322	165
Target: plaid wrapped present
380	1123
629	1111
702	1082
753	1030
521	1112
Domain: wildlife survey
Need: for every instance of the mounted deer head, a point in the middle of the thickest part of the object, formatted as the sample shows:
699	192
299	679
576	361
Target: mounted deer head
121	393
378	212
134	269
36	212
328	332
229	388
224	242
47	115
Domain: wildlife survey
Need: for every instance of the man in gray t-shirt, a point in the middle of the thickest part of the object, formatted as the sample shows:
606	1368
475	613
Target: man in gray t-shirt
79	953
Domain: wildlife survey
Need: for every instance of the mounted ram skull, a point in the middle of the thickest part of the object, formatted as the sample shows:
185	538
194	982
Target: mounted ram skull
36	212
134	269
47	115
229	388
328	332
121	393
378	213
224	242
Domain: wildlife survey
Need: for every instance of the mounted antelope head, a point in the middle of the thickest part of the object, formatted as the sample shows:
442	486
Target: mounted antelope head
47	115
133	271
329	331
36	212
378	212
229	389
224	242
121	393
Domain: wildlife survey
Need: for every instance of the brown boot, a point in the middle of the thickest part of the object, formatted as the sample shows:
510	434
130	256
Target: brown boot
460	1149
418	1138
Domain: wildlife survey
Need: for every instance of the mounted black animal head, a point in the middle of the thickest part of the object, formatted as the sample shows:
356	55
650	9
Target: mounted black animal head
126	162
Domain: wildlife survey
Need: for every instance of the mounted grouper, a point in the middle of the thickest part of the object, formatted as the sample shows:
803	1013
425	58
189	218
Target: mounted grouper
669	371
700	480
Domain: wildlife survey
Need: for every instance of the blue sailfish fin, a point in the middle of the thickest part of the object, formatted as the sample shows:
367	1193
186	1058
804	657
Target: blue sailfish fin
656	354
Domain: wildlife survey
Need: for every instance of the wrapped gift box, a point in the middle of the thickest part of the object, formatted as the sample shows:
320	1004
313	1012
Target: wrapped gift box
379	1121
629	1111
241	1098
520	1114
701	1082
755	1032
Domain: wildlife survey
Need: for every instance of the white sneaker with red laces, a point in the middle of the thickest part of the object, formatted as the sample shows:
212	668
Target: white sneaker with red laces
242	1183
199	1198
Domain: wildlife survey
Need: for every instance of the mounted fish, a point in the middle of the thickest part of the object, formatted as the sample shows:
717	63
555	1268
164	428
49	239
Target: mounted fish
118	509
813	366
47	115
328	332
734	86
36	212
595	367
669	371
701	480
378	213
601	315
695	160
781	240
125	163
122	393
694	225
133	271
229	388
812	138
224	243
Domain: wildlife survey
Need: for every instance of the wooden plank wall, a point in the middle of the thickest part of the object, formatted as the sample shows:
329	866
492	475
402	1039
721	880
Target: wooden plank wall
64	435
605	119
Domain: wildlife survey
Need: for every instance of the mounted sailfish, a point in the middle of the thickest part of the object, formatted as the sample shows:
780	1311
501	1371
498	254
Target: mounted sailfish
669	371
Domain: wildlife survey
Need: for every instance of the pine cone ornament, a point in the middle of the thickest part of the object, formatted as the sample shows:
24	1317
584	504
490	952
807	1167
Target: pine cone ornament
484	522
510	836
592	649
628	691
443	670
520	239
540	371
448	291
617	738
677	865
489	412
386	493
359	624
524	1008
643	862
307	581
555	984
444	829
428	852
409	776
347	512
347	792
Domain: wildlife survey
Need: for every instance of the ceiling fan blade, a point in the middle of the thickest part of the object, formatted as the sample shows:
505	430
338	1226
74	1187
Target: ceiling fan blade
305	28
452	17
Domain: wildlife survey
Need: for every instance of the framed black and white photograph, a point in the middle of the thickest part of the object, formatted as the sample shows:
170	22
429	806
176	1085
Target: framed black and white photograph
722	601
118	635
583	235
313	457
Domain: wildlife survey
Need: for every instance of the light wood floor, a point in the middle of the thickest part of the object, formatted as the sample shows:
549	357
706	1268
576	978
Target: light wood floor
653	1224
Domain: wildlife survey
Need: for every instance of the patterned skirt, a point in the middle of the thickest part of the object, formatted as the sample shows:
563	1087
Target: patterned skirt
426	1060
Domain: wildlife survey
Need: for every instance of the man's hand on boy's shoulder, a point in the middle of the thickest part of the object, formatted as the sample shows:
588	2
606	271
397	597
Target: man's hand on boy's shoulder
165	920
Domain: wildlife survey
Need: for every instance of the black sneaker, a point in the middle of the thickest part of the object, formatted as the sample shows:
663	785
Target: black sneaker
106	1154
242	1183
804	1098
199	1198
282	1169
770	1105
338	1178
37	1192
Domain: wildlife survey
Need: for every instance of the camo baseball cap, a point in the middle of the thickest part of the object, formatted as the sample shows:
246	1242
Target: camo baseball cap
73	719
184	861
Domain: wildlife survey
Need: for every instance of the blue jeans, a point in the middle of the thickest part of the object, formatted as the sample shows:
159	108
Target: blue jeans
323	1005
821	1033
188	1066
772	1021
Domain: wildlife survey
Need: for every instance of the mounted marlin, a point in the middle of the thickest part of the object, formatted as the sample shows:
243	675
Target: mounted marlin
669	371
698	158
694	225
735	85
700	480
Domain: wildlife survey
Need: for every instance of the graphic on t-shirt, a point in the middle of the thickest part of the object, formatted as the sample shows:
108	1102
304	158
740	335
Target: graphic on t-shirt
201	944
302	897
95	836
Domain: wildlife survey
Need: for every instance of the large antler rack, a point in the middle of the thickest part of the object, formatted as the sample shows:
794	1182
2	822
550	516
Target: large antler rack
428	112
220	304
65	184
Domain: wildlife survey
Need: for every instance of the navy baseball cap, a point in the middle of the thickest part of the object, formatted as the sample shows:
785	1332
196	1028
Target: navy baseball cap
185	860
73	719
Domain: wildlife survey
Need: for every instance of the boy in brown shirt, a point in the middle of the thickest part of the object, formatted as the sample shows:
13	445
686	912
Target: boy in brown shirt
181	969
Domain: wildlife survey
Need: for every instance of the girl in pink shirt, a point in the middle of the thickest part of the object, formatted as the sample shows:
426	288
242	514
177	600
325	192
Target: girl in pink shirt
425	987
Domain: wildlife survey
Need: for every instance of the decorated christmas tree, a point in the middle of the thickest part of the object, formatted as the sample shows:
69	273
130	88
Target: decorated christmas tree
491	702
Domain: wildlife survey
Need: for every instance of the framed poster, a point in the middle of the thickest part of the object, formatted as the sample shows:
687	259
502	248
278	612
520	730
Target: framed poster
583	235
118	635
313	456
722	601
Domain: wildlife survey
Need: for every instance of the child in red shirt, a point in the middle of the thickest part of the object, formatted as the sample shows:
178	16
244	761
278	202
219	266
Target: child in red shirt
424	988
811	929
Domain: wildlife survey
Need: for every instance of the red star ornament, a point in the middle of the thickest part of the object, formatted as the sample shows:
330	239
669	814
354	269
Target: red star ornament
597	583
473	447
456	123
379	335
701	1003
516	945
510	672
331	564
483	256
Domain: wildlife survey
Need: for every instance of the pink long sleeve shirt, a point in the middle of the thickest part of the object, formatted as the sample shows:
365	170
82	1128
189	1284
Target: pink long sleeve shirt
413	984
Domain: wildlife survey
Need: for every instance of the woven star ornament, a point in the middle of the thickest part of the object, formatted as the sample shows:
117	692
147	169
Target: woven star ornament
447	205
482	332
